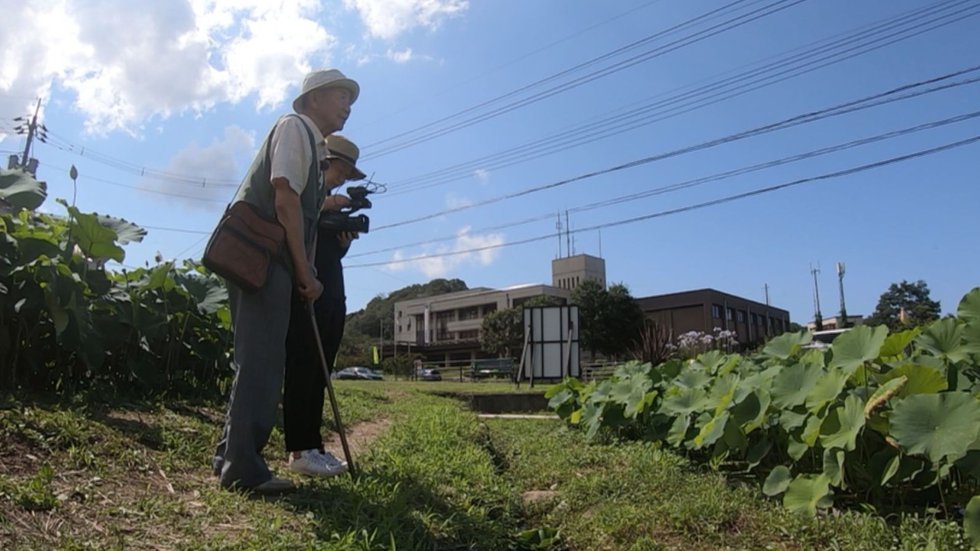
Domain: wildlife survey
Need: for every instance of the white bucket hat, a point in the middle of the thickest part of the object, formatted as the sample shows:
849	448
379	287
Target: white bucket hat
339	147
326	78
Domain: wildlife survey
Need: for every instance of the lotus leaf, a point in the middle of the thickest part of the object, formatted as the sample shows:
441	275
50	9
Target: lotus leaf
841	428
939	426
944	339
827	389
896	343
693	377
792	385
777	481
921	379
883	394
684	401
711	431
833	466
856	346
787	344
20	190
969	308
971	520
806	493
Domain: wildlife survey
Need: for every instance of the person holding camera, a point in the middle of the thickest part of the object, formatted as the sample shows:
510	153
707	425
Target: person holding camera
303	394
284	183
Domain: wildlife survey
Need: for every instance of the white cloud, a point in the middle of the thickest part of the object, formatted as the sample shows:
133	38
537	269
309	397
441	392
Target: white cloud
403	56
386	19
465	245
217	163
131	61
482	175
454	201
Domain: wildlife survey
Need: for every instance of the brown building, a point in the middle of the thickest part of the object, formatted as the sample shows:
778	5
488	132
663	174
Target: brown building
706	309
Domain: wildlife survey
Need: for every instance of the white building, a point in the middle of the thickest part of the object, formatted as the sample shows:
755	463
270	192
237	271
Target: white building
447	327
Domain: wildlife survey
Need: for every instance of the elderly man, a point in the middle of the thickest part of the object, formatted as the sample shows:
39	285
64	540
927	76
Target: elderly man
285	182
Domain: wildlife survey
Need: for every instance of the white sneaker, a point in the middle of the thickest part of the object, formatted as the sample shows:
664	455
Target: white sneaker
315	463
333	461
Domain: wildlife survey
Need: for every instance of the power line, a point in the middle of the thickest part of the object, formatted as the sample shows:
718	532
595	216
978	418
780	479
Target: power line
790	65
63	144
696	206
148	190
646	56
875	100
702	180
485	73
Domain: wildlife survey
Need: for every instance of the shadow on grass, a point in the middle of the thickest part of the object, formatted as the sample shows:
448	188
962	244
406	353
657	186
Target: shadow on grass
379	508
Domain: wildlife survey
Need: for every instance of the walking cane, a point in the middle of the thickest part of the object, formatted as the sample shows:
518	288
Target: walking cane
333	398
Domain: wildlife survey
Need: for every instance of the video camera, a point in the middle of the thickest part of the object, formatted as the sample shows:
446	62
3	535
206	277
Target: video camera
345	220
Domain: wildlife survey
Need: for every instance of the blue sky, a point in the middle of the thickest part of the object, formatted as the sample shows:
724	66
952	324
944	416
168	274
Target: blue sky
161	107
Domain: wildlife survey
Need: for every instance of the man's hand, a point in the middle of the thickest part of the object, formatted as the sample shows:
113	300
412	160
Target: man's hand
307	285
335	202
346	237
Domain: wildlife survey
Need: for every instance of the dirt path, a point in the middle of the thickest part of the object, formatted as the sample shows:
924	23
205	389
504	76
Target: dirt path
359	437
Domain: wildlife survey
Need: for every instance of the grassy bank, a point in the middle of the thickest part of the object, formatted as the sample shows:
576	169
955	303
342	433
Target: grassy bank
135	477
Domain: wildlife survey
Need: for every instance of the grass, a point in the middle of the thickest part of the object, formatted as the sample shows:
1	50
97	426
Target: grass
112	476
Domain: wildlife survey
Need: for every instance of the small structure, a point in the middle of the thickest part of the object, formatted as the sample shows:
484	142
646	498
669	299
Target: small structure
551	344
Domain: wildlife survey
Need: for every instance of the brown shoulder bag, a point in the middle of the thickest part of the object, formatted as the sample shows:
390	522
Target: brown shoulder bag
244	246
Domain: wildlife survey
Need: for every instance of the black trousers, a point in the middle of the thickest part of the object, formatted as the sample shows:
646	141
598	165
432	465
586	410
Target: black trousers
303	390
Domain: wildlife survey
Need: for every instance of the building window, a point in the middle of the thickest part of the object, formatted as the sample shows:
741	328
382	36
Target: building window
755	319
469	335
741	316
489	308
716	311
471	313
729	314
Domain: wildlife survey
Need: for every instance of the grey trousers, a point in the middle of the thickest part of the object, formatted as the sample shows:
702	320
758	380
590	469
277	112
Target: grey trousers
260	322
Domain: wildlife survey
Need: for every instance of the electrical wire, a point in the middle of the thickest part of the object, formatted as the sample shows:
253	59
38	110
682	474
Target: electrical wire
790	65
646	56
890	96
688	208
698	181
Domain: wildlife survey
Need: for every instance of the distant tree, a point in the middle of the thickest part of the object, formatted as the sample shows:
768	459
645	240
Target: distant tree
611	321
381	309
502	332
905	305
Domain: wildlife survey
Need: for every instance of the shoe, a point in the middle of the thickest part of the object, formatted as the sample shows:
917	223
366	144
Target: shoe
274	486
316	463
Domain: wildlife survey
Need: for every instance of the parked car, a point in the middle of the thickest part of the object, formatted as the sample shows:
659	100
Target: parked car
429	375
361	373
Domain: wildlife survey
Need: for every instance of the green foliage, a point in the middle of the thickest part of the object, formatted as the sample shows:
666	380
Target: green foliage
610	319
875	416
67	323
19	190
34	494
910	299
501	332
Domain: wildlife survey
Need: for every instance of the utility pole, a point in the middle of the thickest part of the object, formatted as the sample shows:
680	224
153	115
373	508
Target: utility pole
766	288
558	227
33	130
843	309
381	338
568	236
817	318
